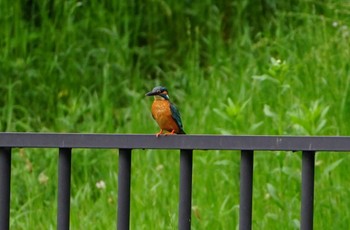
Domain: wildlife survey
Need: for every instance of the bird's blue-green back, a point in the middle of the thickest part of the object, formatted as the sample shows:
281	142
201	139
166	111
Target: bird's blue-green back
176	115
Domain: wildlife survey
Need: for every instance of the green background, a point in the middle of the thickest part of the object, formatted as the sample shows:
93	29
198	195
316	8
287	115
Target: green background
232	67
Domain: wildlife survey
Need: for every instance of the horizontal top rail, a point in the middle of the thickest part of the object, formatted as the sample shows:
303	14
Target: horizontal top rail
148	141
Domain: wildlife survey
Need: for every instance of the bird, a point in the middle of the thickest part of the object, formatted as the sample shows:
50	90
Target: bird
165	113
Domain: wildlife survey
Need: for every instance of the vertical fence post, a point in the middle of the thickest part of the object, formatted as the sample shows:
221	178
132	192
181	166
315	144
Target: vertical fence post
124	179
64	175
185	199
5	180
307	190
246	190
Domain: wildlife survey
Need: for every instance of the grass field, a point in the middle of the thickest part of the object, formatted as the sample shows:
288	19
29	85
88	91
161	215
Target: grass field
231	68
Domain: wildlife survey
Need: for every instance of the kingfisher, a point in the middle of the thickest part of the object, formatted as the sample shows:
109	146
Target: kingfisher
165	113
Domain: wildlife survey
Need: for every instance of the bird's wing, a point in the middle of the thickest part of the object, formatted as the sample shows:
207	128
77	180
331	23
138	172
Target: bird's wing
176	115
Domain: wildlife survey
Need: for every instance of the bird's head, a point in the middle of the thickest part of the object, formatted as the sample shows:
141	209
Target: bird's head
159	92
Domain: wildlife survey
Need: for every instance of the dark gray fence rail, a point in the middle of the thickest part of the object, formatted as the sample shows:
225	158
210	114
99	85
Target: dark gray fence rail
186	144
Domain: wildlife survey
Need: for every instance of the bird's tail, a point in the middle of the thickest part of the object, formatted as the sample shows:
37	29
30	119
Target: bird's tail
181	131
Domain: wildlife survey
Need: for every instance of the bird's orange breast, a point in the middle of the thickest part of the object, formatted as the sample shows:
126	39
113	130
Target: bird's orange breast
162	114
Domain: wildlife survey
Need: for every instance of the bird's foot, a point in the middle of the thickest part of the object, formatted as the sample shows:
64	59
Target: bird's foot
171	133
160	132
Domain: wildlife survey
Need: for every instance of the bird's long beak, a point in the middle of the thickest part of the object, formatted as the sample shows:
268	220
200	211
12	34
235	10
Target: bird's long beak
152	93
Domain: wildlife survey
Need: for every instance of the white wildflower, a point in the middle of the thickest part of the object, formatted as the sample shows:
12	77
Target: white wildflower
100	184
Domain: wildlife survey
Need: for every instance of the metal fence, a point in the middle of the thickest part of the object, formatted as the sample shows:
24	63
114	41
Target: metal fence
186	144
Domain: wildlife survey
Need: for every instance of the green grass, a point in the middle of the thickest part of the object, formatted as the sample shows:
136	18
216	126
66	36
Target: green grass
232	68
